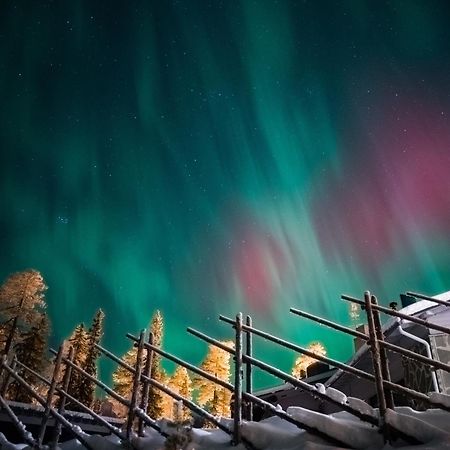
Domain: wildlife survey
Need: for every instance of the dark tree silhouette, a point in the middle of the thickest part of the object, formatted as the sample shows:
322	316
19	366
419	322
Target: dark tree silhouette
79	342
87	387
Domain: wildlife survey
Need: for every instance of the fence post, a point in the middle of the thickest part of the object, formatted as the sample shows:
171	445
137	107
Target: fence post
146	385
136	381
375	350
383	354
248	367
62	398
50	394
237	406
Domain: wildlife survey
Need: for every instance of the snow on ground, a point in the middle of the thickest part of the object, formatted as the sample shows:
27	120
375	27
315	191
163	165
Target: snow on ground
432	427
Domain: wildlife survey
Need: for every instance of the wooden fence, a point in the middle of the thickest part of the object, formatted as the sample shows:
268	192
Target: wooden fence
242	389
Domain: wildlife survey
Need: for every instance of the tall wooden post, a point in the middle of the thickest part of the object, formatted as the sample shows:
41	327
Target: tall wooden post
146	385
248	367
237	406
383	354
62	399
376	361
136	382
50	394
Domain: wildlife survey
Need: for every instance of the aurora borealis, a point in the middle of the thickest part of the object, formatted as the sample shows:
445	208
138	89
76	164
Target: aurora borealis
211	157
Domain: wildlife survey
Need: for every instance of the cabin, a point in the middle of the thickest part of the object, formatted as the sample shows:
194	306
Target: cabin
403	370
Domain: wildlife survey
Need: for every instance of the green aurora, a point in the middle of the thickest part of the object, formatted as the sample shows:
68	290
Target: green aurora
210	157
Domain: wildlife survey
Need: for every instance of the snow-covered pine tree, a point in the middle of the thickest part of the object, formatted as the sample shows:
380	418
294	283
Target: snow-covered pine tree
181	383
155	399
95	333
215	397
31	351
78	341
22	301
302	363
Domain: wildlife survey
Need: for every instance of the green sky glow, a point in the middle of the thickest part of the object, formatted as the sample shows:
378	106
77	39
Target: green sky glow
206	158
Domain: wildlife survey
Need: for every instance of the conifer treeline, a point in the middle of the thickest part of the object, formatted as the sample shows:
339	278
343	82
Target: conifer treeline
24	332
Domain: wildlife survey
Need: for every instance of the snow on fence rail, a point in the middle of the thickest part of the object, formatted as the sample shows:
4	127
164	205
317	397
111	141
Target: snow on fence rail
243	397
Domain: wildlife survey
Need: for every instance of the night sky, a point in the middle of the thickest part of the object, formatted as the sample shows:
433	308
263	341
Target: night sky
207	157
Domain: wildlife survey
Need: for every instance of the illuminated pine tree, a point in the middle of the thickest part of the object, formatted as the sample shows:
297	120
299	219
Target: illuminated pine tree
214	397
87	387
155	399
123	381
181	383
21	303
31	351
303	361
123	378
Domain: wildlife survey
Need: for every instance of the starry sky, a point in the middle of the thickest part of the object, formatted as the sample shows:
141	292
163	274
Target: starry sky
210	157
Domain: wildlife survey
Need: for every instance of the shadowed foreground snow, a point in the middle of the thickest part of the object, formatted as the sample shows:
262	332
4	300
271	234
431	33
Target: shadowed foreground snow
432	427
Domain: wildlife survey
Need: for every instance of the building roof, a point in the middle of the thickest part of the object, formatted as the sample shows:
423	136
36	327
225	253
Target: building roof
424	309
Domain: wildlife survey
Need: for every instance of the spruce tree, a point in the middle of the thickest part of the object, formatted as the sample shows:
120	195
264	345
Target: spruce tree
31	352
216	398
87	388
155	399
78	341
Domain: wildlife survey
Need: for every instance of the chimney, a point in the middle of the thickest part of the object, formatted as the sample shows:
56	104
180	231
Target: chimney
358	342
407	300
